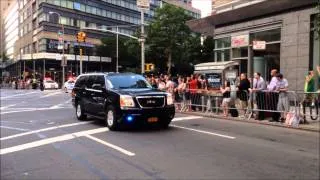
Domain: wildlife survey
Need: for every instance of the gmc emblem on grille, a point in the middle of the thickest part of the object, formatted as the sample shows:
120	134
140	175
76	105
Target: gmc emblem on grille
151	102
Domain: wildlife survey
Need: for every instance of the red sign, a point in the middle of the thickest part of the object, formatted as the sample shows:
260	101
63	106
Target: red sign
240	41
259	45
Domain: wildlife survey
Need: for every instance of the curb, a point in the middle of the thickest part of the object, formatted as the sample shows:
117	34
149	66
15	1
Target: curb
252	121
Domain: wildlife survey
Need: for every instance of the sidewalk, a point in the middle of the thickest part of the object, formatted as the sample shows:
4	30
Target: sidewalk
313	126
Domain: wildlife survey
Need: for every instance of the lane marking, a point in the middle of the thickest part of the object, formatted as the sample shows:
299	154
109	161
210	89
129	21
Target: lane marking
6	97
35	109
58	105
18	129
44	129
15	122
51	140
51	94
204	132
5	107
186	118
126	152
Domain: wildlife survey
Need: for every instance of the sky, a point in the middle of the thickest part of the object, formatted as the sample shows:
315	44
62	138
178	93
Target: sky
203	5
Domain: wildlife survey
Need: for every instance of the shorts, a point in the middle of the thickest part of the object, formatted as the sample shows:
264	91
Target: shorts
241	104
226	101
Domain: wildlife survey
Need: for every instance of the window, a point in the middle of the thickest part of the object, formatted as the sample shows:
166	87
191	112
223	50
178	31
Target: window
76	6
81	23
82	7
100	80
104	13
81	82
99	13
70	4
268	36
63	20
92	25
64	3
222	55
88	9
94	10
222	43
108	14
56	2
240	52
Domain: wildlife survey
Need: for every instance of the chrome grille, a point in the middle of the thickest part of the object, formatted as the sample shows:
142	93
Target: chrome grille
151	101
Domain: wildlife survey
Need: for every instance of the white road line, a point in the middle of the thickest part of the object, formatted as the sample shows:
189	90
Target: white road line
204	132
111	145
186	118
51	94
34	109
44	129
6	97
5	107
18	129
58	105
50	140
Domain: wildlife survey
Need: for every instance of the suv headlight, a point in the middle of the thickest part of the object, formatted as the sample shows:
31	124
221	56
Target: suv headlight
169	99
126	101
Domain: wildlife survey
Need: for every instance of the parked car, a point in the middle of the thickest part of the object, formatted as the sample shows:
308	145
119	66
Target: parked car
68	85
121	99
50	84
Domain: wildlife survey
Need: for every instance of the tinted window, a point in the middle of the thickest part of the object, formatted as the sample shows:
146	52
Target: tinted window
90	81
100	80
128	81
81	81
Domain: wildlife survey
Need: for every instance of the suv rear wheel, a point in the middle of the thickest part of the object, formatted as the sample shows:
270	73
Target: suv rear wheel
79	112
111	119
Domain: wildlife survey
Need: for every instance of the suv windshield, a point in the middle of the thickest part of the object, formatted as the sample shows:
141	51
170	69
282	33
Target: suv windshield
128	82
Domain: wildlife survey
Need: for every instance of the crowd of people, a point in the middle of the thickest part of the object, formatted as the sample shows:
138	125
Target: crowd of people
192	93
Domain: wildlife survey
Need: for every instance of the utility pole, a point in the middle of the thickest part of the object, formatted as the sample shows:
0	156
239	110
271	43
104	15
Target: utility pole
117	54
142	42
63	59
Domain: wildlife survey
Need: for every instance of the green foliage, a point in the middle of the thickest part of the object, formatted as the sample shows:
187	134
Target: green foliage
108	48
170	39
316	27
207	49
4	57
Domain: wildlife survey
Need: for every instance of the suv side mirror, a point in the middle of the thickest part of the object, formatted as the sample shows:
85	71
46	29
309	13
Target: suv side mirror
97	86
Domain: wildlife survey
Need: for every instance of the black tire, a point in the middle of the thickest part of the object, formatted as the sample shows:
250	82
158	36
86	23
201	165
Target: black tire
80	112
111	118
164	124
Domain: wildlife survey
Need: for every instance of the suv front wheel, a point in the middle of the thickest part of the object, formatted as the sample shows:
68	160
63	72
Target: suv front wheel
79	112
111	118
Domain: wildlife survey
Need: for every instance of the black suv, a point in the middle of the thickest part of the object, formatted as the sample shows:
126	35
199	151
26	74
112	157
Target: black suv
121	99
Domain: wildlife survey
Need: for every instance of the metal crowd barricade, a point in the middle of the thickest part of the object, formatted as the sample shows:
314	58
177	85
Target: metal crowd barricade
309	105
261	104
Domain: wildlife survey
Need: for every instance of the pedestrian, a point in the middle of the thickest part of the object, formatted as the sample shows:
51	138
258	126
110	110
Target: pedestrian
242	93
161	85
256	95
283	103
226	97
193	84
179	92
272	96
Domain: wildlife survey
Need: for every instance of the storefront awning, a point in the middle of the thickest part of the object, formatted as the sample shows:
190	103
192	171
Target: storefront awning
259	10
214	67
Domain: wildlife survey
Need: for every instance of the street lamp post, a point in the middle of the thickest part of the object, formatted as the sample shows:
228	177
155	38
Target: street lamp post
117	54
142	41
62	59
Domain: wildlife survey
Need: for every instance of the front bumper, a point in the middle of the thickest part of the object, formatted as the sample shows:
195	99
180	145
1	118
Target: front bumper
141	116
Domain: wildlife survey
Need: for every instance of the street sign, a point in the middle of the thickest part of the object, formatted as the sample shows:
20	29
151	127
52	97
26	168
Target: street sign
259	45
143	4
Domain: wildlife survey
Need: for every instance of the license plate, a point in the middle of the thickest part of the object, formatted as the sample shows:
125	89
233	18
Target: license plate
152	119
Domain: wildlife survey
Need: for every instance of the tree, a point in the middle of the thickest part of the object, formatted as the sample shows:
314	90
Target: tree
207	49
169	37
108	49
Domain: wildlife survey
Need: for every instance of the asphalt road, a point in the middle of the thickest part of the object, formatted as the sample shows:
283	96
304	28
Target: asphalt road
42	139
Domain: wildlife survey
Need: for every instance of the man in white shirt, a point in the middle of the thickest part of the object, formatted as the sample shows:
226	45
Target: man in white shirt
273	96
273	83
283	103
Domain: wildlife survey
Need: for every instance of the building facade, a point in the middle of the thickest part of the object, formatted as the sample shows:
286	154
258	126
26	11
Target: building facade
186	5
39	46
4	5
36	52
286	27
219	6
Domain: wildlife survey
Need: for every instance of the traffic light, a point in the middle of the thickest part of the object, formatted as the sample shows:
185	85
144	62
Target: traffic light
81	37
149	67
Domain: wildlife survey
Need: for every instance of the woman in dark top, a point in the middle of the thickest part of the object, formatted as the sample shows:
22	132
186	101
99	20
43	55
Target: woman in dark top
243	91
226	98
